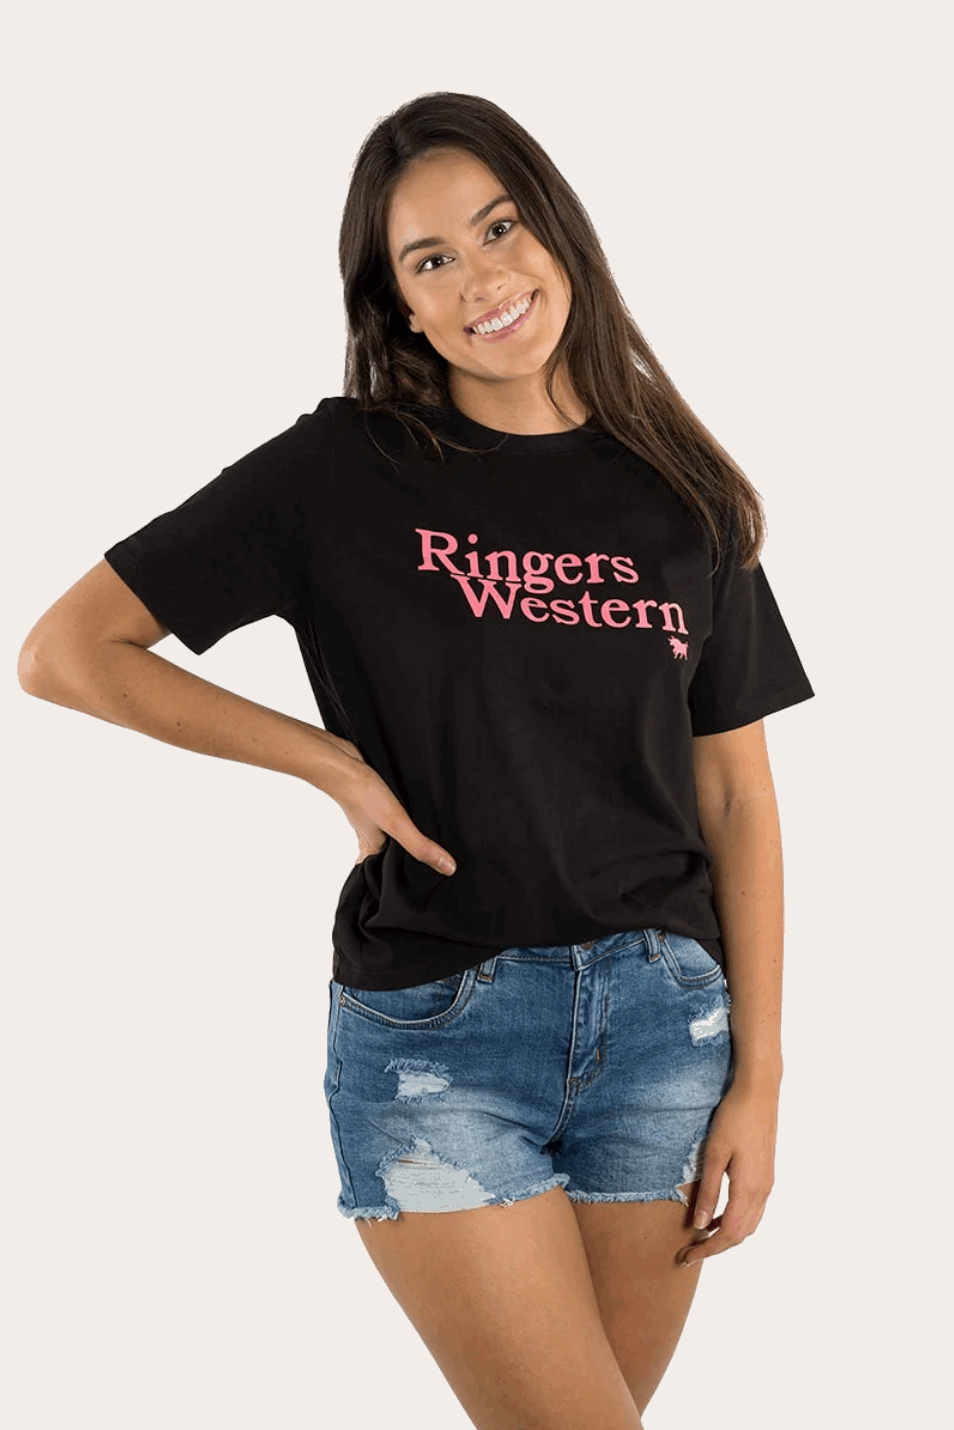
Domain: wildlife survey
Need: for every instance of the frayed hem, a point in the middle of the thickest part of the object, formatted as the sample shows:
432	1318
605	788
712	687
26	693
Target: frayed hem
674	1195
372	1214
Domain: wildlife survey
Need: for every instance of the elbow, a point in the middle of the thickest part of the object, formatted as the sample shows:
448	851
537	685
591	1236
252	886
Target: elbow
29	659
27	668
34	671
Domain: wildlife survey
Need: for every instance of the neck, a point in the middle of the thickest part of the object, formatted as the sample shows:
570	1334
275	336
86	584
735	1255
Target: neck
516	407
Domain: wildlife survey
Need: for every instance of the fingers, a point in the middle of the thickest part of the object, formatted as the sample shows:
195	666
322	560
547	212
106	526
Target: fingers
406	833
402	828
374	812
740	1218
419	848
429	853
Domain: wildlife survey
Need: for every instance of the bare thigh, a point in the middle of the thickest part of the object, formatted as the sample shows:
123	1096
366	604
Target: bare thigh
503	1299
644	1295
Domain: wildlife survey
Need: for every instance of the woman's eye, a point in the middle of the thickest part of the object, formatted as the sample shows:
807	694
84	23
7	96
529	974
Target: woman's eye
497	223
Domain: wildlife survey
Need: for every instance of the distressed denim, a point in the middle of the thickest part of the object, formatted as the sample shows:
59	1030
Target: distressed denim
593	1066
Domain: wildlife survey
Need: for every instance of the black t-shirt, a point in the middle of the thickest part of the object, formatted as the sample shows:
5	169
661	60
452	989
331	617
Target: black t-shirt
521	644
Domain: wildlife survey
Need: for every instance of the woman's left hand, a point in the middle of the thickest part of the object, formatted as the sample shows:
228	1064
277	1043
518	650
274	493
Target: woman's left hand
741	1143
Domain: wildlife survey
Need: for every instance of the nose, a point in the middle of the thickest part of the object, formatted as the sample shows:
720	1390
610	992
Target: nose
483	281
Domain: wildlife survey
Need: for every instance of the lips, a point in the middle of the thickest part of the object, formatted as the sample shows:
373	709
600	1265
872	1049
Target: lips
496	312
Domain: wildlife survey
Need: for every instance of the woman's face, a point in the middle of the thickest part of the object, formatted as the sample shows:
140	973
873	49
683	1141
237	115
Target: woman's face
468	268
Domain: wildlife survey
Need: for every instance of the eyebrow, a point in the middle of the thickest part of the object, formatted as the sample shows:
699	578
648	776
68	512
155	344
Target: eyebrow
430	242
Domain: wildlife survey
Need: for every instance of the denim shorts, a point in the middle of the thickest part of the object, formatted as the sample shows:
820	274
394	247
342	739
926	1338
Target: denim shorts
595	1067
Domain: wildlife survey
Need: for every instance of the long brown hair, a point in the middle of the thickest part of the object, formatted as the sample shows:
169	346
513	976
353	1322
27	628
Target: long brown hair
390	369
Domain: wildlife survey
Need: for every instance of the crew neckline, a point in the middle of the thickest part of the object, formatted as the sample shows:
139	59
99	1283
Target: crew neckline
479	435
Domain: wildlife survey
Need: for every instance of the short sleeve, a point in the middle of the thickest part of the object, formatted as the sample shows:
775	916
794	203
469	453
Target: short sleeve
749	666
232	552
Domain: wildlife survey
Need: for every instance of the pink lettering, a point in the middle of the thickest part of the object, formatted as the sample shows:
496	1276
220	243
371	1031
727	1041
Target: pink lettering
428	550
504	582
478	604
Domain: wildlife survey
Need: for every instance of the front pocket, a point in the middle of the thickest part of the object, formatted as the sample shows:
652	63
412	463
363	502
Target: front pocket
688	962
424	1005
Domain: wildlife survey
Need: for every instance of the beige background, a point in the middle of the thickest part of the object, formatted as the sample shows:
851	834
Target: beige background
768	183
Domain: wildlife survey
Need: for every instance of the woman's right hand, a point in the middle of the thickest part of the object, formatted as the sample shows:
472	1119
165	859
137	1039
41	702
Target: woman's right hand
373	811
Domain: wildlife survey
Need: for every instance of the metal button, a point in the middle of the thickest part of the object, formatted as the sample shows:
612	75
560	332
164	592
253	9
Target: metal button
588	944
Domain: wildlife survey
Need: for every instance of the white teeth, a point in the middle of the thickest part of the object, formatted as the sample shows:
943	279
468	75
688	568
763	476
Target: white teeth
505	320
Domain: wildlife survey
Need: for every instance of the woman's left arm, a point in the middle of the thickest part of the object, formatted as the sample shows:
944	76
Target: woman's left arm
739	819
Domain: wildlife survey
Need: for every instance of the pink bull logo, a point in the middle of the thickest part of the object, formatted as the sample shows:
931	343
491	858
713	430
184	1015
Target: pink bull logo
680	649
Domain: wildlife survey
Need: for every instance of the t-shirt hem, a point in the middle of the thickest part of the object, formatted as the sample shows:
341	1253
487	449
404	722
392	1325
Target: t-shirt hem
403	973
346	973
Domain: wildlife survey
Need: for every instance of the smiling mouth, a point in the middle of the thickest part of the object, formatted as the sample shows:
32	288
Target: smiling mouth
506	327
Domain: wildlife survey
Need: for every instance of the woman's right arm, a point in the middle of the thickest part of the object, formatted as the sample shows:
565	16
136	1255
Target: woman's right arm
90	652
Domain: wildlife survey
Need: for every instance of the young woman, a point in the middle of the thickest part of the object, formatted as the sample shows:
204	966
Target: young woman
526	586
